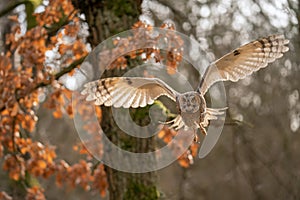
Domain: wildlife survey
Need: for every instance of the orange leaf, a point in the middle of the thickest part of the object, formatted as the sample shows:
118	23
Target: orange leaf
161	133
171	70
41	164
184	163
57	113
1	150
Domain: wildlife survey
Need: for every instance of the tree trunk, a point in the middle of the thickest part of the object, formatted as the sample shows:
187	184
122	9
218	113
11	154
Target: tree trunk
106	18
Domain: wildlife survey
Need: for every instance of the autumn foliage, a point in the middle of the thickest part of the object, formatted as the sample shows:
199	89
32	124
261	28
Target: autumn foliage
28	79
22	84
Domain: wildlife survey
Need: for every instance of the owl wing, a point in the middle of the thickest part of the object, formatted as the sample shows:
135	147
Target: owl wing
127	91
244	60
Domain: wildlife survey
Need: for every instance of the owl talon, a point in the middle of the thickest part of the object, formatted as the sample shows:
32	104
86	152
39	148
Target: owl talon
134	92
202	129
196	138
175	123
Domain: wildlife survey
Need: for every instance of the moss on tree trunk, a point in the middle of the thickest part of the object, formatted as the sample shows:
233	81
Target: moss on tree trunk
106	18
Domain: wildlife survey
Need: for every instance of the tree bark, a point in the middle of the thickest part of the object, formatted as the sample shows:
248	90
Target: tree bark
106	18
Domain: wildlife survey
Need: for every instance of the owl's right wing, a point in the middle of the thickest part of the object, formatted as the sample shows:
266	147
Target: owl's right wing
127	91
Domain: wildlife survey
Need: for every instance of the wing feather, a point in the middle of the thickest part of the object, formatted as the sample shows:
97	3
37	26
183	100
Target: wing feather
127	91
243	61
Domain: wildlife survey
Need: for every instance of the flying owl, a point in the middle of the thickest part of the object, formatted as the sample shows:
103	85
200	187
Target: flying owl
137	92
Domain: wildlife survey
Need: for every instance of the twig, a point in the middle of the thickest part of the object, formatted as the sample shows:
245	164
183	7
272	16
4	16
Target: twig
56	77
12	6
236	122
61	73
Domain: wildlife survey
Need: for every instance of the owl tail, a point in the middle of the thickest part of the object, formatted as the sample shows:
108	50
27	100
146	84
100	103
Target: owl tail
212	114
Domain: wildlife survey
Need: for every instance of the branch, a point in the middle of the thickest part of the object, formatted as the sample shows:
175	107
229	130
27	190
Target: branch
61	73
51	31
12	6
236	122
56	77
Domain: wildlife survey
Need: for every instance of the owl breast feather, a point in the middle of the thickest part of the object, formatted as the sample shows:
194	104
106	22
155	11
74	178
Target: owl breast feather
191	119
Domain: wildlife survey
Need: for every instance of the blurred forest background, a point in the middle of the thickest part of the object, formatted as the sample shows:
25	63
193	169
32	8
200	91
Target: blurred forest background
257	158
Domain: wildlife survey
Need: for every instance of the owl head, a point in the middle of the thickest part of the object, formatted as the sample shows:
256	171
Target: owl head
189	102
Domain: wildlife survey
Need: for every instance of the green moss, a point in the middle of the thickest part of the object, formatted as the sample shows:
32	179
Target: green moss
121	7
140	115
136	191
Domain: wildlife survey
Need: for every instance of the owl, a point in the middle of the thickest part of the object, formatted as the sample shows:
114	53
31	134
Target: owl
137	92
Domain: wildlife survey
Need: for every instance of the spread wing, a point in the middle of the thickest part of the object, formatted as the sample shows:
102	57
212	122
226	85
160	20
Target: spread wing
244	60
127	91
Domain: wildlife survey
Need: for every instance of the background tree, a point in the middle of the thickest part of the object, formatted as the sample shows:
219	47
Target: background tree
106	18
257	159
248	161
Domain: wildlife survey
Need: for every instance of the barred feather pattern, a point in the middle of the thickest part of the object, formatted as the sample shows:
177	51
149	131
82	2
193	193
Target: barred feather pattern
127	91
140	91
244	60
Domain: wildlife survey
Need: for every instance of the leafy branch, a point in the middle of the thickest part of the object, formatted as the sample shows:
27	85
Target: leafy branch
55	77
12	6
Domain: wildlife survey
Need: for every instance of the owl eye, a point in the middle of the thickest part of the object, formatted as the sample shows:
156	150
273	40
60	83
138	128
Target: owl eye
193	100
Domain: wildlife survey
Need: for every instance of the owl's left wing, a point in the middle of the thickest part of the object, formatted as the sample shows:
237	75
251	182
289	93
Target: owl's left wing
243	61
127	91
